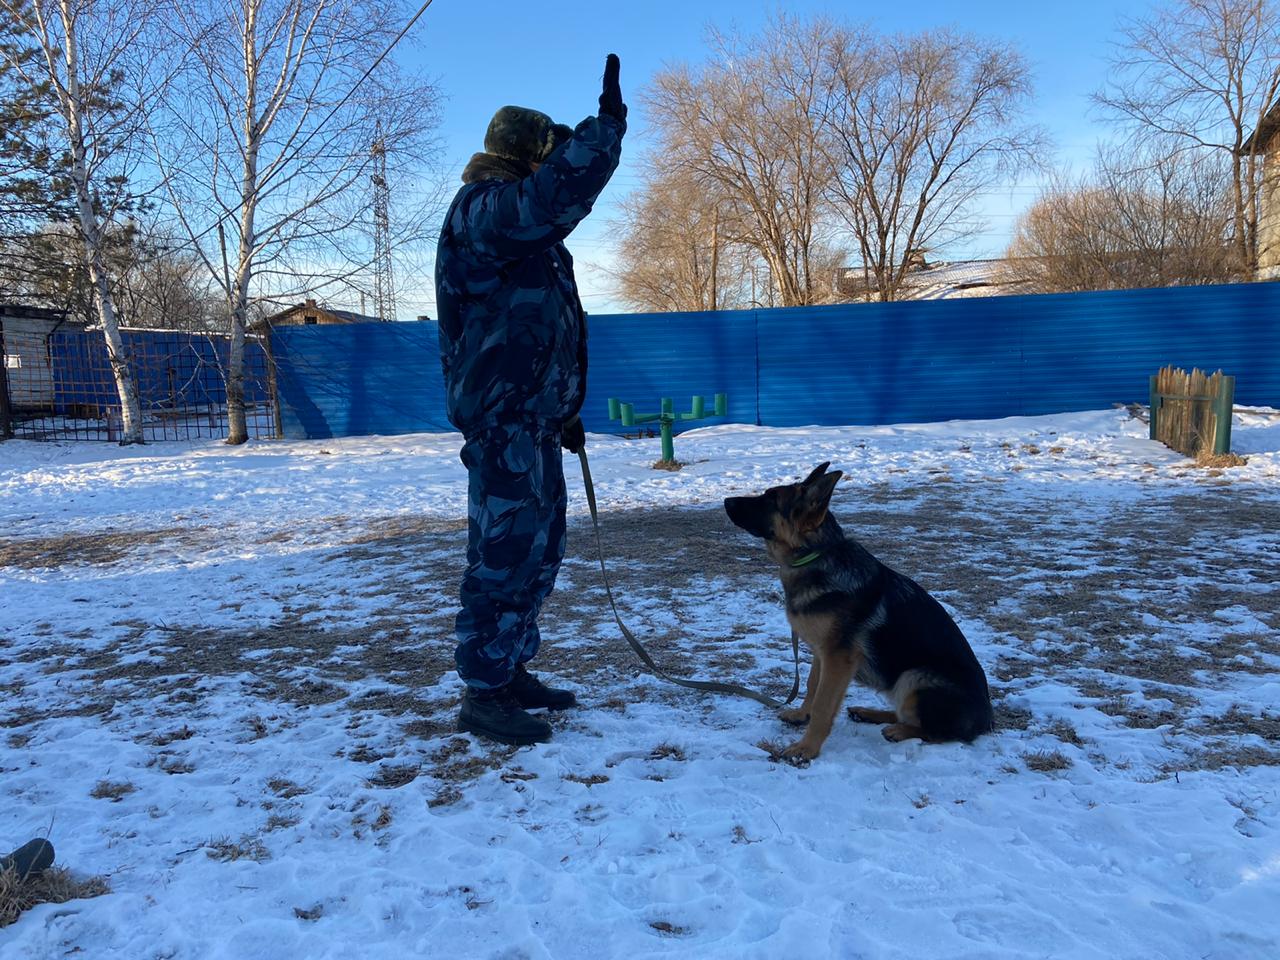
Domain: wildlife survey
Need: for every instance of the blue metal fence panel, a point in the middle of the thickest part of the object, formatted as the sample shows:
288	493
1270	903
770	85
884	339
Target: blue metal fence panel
1003	356
641	358
81	373
357	379
857	363
173	369
1088	350
886	363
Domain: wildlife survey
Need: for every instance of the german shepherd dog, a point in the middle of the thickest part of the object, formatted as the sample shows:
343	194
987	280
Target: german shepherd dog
865	622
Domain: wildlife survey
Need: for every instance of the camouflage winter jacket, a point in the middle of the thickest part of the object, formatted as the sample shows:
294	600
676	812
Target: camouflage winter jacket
513	338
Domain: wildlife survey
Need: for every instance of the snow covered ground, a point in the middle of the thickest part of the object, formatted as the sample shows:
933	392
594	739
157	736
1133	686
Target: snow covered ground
226	685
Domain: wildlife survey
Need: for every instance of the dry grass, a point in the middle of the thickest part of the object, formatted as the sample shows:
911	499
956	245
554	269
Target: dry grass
1011	718
1220	461
668	929
446	796
1047	761
226	850
172	764
282	821
55	885
94	549
671	466
666	751
257	727
1225	753
773	749
285	789
115	792
173	736
364	754
1065	732
392	776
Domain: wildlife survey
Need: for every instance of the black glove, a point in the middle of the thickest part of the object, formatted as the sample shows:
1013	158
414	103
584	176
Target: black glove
572	437
611	99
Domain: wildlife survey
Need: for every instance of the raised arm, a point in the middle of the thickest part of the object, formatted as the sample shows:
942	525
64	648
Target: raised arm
506	221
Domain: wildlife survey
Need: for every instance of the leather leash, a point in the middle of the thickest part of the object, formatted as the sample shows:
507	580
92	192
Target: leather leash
709	686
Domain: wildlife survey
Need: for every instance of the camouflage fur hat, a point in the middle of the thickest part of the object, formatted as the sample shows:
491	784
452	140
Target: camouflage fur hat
518	133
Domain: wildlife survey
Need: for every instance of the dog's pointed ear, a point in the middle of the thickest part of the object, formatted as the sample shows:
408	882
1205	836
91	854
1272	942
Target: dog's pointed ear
818	471
815	500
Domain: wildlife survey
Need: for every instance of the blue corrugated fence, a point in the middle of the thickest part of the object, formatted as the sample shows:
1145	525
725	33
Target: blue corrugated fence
914	361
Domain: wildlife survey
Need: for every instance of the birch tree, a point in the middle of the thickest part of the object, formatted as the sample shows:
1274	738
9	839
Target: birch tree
266	144
1204	73
86	69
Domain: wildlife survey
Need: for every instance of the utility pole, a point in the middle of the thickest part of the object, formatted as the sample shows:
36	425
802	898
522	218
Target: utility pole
384	294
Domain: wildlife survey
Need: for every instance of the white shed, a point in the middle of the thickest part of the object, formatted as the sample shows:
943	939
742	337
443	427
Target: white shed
24	333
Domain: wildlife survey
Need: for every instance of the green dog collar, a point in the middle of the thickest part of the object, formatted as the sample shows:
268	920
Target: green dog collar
807	559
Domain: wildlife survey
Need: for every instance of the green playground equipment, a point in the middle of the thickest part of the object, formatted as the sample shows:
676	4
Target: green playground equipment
626	412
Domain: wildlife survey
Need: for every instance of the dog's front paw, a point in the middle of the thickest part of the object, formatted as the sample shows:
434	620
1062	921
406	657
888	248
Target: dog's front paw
897	732
801	752
796	716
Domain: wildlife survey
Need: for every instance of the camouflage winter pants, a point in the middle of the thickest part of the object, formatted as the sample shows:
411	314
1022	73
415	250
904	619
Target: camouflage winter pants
516	534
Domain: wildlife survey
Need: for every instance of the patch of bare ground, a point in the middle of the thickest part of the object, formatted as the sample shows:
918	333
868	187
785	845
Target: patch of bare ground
1111	597
94	549
453	762
1215	755
1138	715
429	728
1239	721
400	531
1011	718
391	703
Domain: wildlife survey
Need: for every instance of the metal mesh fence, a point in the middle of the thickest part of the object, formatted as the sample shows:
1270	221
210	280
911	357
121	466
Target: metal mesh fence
60	386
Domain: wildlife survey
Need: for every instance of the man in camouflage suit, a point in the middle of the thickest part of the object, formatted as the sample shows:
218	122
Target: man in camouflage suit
513	343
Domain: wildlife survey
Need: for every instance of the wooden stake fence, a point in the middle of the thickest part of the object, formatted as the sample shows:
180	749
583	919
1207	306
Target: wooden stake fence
1191	412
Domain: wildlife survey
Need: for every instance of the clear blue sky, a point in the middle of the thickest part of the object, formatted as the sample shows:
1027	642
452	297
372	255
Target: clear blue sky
549	54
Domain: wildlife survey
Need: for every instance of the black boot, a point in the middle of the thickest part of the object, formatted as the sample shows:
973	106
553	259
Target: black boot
497	715
29	860
531	693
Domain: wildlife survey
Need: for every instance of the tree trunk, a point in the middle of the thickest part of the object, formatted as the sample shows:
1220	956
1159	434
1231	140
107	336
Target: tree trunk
91	232
237	428
715	260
